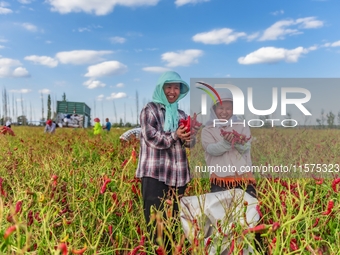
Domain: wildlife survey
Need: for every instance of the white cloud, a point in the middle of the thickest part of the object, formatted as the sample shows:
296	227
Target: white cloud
182	58
107	68
252	36
155	69
309	22
20	72
117	39
22	91
92	84
183	2
80	57
12	68
1	46
218	36
96	7
42	60
335	44
30	27
100	97
116	95
272	55
277	12
44	91
120	85
283	28
82	29
4	10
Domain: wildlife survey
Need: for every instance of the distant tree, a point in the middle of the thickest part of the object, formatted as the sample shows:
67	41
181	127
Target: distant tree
330	119
121	122
64	97
49	107
264	119
323	118
338	118
128	124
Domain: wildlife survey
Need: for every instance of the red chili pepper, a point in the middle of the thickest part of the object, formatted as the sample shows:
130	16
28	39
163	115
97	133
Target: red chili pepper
36	216
232	247
316	222
1	188
293	245
63	248
135	190
103	188
259	211
194	123
130	206
318	181
256	229
115	198
9	231
81	251
329	208
334	183
317	238
133	155
135	250
54	178
18	207
30	218
160	251
275	226
124	163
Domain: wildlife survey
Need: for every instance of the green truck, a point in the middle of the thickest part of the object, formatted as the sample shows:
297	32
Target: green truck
73	114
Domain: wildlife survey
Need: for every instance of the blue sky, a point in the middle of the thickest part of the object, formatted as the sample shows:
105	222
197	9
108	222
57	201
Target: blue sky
100	52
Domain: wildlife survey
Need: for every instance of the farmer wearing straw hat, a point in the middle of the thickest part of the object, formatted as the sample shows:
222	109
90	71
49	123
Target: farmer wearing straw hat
163	164
97	129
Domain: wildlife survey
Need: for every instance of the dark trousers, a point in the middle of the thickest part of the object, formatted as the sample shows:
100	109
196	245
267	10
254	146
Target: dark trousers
153	193
250	189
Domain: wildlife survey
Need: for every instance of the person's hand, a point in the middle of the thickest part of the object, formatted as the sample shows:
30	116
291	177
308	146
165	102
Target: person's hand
229	137
183	133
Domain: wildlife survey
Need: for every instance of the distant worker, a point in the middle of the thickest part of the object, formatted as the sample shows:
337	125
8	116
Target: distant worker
107	126
128	135
97	127
50	127
8	123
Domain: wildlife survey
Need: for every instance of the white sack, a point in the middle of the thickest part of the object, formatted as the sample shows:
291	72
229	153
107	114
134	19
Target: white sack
226	207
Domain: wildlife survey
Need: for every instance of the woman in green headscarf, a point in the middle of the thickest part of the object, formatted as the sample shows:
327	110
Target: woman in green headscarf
163	164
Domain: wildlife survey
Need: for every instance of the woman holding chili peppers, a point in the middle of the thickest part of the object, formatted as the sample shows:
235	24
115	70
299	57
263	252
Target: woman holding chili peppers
228	145
163	164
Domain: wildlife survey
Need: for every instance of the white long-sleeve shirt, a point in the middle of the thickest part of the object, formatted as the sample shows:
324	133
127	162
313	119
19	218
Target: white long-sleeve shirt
50	129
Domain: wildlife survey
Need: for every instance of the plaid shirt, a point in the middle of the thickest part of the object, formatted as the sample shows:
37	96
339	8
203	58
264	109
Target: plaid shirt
127	135
162	155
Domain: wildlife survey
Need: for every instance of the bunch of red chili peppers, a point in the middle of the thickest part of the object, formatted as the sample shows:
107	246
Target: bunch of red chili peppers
191	124
237	137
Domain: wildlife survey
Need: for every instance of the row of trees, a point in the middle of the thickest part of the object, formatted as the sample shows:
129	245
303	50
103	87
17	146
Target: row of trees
10	111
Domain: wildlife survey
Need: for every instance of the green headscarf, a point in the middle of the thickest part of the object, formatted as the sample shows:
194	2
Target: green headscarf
171	110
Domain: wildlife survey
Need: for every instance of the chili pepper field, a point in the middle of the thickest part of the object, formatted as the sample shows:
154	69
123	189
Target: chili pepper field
75	193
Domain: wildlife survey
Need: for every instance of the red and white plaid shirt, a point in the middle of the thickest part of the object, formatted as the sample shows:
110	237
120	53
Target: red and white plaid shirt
162	155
